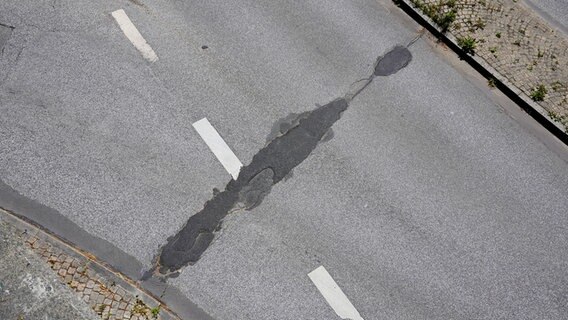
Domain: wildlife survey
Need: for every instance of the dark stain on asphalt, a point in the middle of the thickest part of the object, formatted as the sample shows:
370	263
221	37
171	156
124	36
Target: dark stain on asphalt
291	140
394	60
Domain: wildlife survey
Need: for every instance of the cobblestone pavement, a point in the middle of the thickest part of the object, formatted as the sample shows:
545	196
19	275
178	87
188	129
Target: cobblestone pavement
56	284
514	41
29	289
106	298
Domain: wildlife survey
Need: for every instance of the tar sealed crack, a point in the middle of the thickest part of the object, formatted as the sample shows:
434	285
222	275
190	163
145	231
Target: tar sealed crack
291	141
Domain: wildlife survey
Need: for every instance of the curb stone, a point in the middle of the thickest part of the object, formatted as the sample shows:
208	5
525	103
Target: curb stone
485	69
110	294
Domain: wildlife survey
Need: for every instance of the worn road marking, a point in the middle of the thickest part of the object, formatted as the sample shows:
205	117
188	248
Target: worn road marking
333	294
134	36
218	146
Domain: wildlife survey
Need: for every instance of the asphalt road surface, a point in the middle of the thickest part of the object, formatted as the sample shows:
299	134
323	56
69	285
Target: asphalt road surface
555	11
425	199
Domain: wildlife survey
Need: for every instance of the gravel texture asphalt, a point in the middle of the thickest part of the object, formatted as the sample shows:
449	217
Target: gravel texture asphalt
429	202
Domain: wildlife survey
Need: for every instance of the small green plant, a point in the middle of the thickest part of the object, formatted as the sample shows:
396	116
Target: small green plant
446	20
468	44
155	312
517	43
498	34
491	83
539	93
522	31
493	49
434	12
540	53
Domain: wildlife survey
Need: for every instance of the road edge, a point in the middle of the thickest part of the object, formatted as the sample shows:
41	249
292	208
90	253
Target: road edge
532	108
36	236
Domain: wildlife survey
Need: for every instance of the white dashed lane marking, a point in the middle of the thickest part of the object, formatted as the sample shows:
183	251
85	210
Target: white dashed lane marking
333	294
134	36
218	146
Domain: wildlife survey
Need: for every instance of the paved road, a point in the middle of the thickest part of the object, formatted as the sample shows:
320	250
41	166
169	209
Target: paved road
554	11
429	202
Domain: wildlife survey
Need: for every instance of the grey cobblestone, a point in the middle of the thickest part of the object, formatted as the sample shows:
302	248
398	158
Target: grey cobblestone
28	288
43	278
108	300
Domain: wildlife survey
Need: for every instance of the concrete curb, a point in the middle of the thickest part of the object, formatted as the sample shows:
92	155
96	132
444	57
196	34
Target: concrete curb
97	270
485	69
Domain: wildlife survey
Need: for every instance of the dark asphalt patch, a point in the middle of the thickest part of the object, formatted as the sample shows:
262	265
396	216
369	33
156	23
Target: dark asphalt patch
284	125
5	33
394	60
290	142
268	167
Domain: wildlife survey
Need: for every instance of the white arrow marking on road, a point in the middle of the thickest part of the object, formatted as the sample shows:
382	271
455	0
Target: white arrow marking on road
218	146
134	36
333	294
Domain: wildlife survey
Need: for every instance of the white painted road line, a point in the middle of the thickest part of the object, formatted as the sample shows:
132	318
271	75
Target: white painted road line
221	150
333	294
134	36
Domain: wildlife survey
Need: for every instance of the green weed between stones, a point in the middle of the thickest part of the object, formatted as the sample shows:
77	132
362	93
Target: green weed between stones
468	44
155	312
539	93
443	18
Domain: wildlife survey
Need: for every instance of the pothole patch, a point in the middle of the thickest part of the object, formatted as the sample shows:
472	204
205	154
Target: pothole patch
394	60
